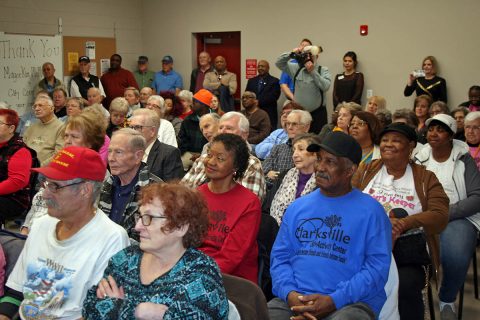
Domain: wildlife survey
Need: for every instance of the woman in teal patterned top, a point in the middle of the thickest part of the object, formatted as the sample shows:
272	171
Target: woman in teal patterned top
163	277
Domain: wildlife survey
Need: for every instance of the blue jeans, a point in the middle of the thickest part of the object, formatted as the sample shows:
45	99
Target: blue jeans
457	243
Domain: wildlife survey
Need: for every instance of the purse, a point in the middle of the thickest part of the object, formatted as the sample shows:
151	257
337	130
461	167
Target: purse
411	249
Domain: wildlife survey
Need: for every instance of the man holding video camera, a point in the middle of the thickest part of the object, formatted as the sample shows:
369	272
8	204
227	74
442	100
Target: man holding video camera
311	81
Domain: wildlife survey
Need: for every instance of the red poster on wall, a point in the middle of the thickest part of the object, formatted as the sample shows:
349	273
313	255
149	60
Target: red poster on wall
251	68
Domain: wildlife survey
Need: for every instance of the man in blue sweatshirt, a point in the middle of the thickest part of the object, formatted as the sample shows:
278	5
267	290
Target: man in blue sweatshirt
332	254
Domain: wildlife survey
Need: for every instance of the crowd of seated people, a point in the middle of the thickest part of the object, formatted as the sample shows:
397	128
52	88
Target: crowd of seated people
189	180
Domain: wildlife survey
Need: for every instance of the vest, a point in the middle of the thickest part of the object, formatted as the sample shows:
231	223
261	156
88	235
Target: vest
6	152
84	85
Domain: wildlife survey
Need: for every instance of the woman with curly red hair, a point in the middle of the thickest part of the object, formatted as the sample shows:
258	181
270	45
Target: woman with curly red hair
164	275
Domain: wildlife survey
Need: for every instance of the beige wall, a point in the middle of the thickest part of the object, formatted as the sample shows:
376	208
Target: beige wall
401	33
121	19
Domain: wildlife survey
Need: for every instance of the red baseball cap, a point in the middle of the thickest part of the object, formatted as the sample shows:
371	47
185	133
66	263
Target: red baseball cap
74	162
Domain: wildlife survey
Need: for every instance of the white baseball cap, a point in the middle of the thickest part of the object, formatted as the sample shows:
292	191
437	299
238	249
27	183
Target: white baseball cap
445	119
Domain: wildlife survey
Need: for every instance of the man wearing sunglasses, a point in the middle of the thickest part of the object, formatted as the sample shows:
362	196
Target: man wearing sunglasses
67	250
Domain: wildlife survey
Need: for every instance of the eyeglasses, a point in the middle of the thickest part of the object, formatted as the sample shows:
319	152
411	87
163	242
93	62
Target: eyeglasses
153	105
7	124
54	187
470	127
360	123
138	127
248	97
293	124
147	218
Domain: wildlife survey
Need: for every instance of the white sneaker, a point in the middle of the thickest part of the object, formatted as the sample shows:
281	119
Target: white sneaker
447	313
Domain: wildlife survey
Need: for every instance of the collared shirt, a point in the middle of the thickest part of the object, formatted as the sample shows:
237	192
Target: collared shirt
144	79
167	81
263	149
200	78
280	159
253	178
147	151
121	195
75	90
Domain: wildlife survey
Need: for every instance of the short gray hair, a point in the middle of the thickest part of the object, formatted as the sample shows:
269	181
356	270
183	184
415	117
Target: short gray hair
472	116
243	122
77	100
97	90
305	116
135	91
97	189
352	107
443	106
186	95
159	100
135	139
459	109
215	116
45	98
119	104
151	117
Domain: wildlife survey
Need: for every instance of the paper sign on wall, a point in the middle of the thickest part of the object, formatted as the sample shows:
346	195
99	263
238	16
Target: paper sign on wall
90	49
72	62
93	68
104	65
251	68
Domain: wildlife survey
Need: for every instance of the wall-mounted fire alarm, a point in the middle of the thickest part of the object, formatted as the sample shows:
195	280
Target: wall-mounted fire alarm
364	30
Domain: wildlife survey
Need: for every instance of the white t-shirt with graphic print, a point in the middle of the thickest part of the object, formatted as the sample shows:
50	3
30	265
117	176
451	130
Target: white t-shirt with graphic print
394	194
54	276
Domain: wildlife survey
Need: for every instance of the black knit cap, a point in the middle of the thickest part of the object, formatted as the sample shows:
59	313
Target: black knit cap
339	144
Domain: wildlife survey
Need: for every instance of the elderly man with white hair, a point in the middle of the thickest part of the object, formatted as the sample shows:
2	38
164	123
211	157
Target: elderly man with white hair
162	159
44	136
253	178
145	93
166	132
281	158
311	81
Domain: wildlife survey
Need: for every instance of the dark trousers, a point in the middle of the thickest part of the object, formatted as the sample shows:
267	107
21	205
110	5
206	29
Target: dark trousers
10	208
410	300
319	119
226	100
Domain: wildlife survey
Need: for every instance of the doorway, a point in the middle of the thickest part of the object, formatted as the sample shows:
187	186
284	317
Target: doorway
226	44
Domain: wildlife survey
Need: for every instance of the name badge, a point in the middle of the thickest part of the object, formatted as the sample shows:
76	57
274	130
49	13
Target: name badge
341	77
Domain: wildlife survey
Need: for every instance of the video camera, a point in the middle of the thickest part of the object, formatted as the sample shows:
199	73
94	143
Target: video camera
306	55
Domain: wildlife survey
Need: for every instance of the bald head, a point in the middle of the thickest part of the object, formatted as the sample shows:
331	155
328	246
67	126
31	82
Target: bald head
263	68
204	59
94	96
220	64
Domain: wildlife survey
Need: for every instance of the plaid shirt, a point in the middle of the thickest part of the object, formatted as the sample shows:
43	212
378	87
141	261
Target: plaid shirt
253	178
105	203
280	159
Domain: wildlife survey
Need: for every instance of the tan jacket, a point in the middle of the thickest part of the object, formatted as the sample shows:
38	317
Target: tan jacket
228	79
434	217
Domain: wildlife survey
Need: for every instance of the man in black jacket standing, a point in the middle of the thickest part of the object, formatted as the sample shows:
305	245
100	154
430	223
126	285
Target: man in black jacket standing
267	90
